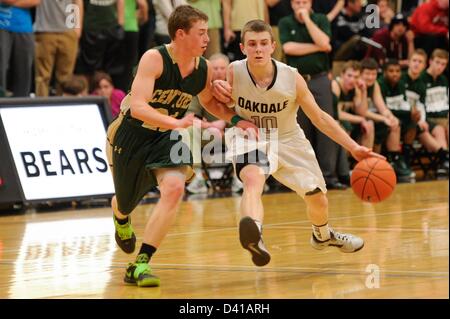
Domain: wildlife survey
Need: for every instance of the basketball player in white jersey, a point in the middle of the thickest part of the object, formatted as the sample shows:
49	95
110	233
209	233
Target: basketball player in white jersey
269	93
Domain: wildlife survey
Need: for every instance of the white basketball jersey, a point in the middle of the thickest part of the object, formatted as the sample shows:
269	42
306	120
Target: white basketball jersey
291	157
270	107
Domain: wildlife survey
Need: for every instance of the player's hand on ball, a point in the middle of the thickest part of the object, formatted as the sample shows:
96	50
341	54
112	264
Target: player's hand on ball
222	91
361	152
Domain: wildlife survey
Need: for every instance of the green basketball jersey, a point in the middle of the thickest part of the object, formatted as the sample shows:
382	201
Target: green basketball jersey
99	15
415	92
415	89
436	100
395	97
172	94
346	99
292	30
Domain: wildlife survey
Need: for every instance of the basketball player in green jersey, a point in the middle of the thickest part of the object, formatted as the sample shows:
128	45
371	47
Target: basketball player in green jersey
270	92
143	145
351	95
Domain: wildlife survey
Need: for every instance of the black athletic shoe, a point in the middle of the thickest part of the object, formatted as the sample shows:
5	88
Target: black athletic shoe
251	240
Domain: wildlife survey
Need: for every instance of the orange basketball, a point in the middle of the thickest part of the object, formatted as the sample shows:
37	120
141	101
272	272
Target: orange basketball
373	180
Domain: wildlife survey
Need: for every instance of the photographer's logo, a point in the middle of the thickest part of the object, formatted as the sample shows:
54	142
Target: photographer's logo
373	16
373	279
73	16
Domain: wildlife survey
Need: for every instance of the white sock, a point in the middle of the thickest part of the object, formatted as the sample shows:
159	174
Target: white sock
321	233
259	224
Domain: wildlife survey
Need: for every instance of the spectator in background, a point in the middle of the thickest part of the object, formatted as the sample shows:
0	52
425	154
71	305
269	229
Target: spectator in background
74	85
147	30
102	38
415	87
430	135
436	100
103	85
350	104
330	8
387	126
216	127
397	42
17	46
305	37
236	13
394	94
213	10
163	9
430	25
386	13
351	94
136	12
56	42
277	10
409	6
350	26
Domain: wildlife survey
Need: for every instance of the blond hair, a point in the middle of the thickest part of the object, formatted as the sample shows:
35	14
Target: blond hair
439	53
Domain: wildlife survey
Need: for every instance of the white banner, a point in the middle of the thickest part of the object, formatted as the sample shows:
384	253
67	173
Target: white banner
59	151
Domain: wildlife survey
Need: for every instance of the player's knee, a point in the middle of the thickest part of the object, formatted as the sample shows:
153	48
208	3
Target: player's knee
252	178
439	130
172	189
395	128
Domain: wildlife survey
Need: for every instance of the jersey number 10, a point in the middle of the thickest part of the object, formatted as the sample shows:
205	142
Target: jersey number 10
267	122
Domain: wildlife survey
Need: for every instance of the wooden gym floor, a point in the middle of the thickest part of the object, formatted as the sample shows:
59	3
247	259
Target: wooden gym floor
72	253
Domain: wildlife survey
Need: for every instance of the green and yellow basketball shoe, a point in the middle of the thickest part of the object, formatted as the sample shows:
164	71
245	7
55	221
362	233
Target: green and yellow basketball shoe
125	237
140	273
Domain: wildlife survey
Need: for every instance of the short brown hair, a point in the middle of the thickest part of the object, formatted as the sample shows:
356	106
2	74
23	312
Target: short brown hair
439	53
256	26
183	17
98	77
75	85
369	64
420	52
355	65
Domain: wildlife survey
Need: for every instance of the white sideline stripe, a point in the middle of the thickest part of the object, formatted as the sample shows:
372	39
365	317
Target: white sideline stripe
307	221
163	266
420	230
315	269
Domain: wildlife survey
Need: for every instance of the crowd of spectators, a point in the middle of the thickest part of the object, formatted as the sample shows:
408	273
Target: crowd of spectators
379	67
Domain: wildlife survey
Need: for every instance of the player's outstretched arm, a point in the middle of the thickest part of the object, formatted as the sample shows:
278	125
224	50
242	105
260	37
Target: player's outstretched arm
328	125
149	69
